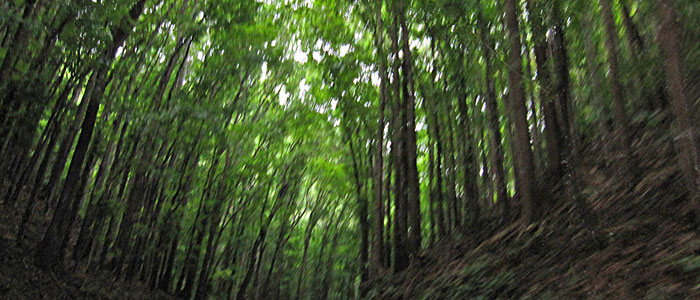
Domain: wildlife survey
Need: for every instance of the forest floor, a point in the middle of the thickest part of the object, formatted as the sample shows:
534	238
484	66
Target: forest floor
643	246
20	279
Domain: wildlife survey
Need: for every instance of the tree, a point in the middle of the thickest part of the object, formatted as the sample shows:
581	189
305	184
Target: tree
51	250
683	110
518	115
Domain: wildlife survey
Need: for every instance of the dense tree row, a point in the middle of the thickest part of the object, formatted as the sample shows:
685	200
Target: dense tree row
257	149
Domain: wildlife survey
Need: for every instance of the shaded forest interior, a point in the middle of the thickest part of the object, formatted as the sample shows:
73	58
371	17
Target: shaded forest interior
326	149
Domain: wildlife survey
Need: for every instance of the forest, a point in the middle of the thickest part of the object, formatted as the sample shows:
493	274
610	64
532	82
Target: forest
328	149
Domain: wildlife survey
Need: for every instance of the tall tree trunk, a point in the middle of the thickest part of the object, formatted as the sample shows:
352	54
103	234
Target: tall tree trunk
165	281
50	134
669	39
565	111
362	216
66	145
18	43
432	191
622	134
561	81
496	154
443	228
81	191
49	252
307	239
412	181
198	231
388	258
552	130
377	183
252	259
38	182
453	206
524	160
470	196
82	245
401	253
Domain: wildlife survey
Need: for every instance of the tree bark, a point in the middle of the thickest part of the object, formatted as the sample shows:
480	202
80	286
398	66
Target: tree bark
552	130
621	121
443	228
496	154
378	170
470	197
401	253
362	216
49	252
453	207
524	160
412	180
669	39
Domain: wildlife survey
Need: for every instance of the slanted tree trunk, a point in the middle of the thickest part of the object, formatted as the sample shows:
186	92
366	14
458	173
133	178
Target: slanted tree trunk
669	39
82	245
307	239
198	231
252	259
19	39
49	253
67	142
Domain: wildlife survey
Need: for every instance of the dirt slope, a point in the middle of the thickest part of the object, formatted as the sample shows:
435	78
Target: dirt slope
643	246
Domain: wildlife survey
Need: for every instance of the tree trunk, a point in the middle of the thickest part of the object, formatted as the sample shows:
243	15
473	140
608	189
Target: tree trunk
252	259
561	81
38	182
18	44
432	191
621	121
524	160
82	246
453	206
552	130
496	154
362	216
470	198
669	39
412	180
443	229
401	253
67	142
302	268
49	253
377	184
